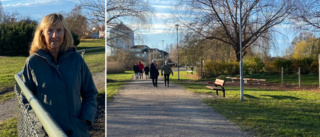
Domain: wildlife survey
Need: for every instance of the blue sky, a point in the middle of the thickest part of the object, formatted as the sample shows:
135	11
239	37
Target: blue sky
36	9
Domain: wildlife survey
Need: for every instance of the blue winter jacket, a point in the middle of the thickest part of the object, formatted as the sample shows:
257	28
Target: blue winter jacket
66	89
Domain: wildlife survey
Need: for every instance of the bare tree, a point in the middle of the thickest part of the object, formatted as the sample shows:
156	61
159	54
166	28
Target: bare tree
95	11
307	14
136	12
219	19
77	22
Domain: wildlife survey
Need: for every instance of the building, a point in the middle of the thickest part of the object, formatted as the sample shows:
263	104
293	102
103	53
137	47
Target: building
148	54
121	36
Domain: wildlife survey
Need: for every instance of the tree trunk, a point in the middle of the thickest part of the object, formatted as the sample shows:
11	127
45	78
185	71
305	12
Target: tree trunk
237	52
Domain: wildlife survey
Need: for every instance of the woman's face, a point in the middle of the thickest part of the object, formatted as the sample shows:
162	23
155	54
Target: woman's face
54	36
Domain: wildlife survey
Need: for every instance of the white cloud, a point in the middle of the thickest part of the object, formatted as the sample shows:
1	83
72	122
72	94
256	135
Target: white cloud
30	3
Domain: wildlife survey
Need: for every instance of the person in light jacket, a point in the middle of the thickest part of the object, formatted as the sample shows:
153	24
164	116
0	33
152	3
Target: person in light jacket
167	71
60	79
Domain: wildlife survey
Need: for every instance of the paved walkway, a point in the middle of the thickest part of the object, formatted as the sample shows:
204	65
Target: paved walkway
140	110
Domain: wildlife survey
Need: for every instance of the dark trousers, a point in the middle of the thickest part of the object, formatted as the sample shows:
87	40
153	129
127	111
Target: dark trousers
155	82
166	79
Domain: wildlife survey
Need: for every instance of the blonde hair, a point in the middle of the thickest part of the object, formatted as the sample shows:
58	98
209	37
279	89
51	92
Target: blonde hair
50	20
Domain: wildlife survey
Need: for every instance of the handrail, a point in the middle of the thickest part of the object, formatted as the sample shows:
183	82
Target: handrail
90	49
48	123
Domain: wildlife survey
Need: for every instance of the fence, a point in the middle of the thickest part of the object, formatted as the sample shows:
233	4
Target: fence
33	120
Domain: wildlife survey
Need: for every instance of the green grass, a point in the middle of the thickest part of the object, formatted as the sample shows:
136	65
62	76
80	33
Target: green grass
288	78
95	61
264	112
8	128
91	43
7	96
9	66
117	81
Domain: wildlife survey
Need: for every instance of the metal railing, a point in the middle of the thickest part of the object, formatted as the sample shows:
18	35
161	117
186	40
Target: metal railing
33	120
82	51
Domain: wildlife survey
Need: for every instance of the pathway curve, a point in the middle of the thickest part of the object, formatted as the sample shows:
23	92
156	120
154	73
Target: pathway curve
140	110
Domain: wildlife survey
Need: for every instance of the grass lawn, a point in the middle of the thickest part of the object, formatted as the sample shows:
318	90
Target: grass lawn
91	43
9	66
95	61
264	112
312	79
8	128
117	81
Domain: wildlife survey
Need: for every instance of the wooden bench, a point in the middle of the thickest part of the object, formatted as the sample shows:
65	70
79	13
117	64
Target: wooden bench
190	71
216	83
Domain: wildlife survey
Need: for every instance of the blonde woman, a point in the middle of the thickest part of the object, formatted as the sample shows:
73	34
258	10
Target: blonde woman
59	77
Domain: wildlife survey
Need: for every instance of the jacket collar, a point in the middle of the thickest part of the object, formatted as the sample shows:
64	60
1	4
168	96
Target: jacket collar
46	55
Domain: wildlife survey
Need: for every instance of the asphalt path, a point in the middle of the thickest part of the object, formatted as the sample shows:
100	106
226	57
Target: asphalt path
140	110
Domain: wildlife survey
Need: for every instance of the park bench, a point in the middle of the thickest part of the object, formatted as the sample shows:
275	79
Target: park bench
189	71
218	84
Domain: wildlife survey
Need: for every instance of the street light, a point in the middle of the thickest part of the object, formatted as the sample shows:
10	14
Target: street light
145	56
177	26
241	65
162	52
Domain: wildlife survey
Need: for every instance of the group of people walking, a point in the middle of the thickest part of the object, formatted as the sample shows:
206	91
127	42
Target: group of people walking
154	72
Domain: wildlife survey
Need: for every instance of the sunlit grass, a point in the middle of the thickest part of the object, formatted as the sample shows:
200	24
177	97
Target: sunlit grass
8	128
91	43
95	61
264	112
117	81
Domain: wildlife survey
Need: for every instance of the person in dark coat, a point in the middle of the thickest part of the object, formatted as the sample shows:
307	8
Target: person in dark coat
136	70
59	78
146	71
154	73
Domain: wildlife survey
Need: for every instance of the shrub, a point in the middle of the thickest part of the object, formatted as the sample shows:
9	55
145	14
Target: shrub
15	38
218	67
269	67
76	40
285	63
114	67
314	67
303	63
253	65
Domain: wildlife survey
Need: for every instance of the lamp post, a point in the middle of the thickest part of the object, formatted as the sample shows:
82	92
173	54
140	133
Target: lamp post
177	26
162	52
145	56
241	66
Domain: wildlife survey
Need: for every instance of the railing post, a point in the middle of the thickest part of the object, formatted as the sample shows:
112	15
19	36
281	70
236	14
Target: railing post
82	53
